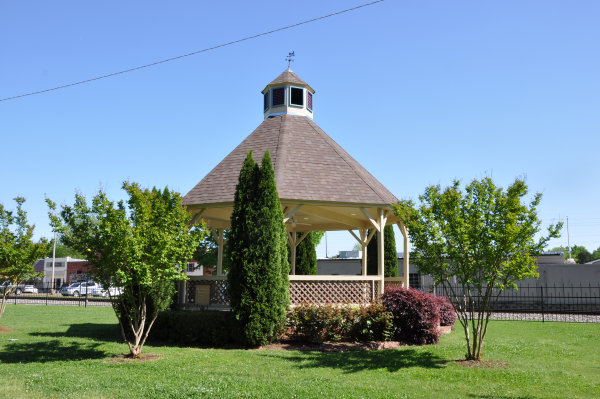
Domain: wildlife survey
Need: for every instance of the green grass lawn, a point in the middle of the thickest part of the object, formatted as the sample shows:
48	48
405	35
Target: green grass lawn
63	352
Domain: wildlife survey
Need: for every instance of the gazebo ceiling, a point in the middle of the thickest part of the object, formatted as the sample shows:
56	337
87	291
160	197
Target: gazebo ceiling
308	217
320	185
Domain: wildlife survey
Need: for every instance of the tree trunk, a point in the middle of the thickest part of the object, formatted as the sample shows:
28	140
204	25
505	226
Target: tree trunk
3	305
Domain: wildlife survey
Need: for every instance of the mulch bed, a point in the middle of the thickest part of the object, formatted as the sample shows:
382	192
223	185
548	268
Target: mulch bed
333	346
127	359
6	330
287	344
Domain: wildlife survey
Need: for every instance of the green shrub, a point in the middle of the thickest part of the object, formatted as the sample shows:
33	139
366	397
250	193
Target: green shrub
306	256
258	278
319	323
390	256
375	323
208	328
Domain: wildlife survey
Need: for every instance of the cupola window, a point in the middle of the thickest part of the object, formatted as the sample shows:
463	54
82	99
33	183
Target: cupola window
266	102
297	96
309	100
278	96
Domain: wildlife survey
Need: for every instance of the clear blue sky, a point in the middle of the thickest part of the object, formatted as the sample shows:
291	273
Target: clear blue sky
420	93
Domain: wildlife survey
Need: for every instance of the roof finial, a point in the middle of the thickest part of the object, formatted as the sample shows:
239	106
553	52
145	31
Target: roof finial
290	58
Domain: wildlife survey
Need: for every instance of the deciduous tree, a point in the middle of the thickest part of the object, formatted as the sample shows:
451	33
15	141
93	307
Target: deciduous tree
596	254
140	245
584	256
475	243
18	252
62	251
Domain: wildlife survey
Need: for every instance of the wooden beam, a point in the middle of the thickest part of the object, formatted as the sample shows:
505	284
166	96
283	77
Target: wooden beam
360	241
301	239
371	236
373	221
291	213
197	216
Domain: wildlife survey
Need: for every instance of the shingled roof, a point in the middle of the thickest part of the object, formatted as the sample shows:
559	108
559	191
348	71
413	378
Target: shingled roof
309	166
287	76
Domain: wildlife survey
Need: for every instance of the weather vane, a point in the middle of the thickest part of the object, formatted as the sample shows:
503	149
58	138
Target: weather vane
290	58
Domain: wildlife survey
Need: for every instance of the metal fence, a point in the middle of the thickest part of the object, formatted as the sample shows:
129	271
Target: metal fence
571	303
42	294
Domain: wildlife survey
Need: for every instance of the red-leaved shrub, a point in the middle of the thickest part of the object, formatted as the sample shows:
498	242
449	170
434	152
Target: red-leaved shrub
416	315
447	313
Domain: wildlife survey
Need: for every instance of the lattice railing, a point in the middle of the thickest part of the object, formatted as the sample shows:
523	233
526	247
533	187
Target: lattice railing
219	294
308	289
332	291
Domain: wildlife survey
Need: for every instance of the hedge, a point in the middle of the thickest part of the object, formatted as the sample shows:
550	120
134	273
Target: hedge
207	328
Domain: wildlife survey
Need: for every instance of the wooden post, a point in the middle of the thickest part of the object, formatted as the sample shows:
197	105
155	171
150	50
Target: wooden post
405	264
364	241
363	238
220	239
294	244
183	292
380	248
220	253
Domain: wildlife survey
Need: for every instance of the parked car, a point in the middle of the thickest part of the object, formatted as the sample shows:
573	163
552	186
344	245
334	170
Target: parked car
79	288
26	289
20	289
112	291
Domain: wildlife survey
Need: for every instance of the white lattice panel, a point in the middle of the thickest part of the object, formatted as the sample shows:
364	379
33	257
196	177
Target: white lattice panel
331	291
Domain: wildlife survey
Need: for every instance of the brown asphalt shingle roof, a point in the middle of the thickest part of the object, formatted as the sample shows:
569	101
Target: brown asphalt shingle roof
308	165
287	76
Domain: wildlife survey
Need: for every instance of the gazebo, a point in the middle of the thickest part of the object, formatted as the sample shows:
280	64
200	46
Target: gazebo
321	188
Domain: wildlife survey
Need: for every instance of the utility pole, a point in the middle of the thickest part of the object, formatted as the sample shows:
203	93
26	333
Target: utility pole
53	259
568	239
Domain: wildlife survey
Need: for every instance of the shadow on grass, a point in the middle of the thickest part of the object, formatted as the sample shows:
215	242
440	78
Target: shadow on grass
50	351
95	331
355	361
499	397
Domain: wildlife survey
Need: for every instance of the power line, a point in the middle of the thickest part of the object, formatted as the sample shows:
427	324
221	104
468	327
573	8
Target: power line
195	52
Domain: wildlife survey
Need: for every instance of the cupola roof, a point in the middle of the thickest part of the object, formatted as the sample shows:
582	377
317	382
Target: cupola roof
287	77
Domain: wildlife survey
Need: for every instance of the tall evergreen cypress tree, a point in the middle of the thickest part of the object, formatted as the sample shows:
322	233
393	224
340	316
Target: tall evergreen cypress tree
390	262
306	256
258	279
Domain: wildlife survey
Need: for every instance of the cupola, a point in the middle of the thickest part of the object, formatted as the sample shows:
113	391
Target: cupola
288	94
